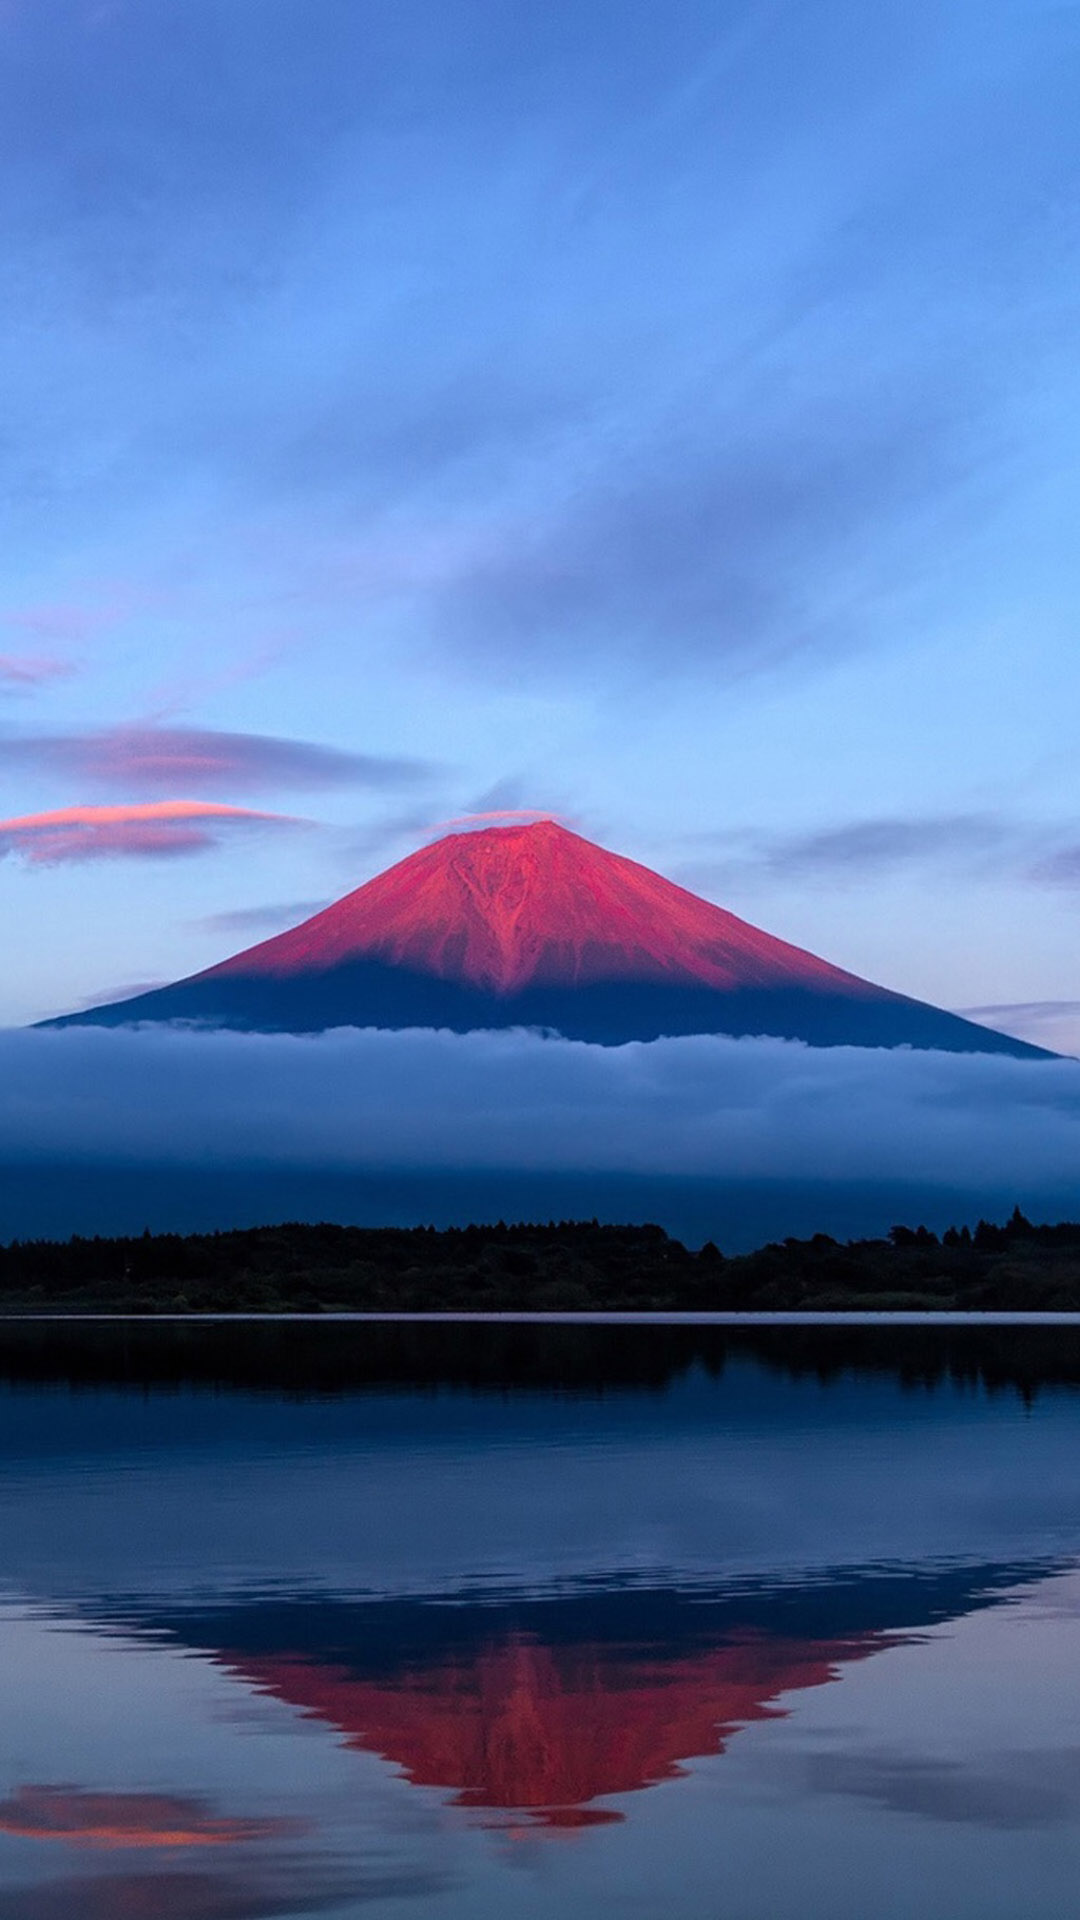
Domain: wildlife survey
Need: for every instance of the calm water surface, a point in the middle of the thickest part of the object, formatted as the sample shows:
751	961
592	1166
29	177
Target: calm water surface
460	1623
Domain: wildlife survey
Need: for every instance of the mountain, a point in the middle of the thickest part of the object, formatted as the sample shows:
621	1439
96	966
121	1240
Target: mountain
535	926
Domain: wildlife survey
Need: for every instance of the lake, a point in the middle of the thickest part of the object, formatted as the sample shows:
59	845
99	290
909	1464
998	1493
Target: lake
458	1621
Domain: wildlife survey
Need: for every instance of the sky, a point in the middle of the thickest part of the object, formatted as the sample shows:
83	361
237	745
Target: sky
665	417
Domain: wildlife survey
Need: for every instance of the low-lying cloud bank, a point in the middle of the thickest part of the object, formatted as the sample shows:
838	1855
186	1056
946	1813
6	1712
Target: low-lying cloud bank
704	1109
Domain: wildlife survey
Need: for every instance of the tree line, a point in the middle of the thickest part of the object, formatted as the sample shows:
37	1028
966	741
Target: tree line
560	1266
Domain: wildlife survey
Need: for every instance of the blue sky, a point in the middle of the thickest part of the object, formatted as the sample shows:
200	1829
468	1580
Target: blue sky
669	417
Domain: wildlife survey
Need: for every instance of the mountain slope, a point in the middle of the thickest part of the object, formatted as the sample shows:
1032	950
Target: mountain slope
535	926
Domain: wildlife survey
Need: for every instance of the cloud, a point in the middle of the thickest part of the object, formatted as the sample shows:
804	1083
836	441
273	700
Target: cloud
1046	1023
1020	1791
157	759
856	850
386	837
111	1820
1060	869
209	266
282	913
28	670
701	549
70	621
150	830
867	846
500	805
657	540
704	1109
124	990
314	1885
505	795
499	816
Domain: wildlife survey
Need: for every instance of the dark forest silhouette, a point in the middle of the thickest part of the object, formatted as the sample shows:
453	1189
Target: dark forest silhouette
569	1266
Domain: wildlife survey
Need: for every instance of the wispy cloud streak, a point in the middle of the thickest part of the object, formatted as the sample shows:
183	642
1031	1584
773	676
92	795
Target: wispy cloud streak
25	671
155	759
1046	1023
869	849
275	914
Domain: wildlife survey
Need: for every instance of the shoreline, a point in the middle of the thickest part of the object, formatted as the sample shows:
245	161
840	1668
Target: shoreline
858	1317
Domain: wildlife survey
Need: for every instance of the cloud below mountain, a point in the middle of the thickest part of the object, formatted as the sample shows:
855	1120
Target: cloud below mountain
705	1108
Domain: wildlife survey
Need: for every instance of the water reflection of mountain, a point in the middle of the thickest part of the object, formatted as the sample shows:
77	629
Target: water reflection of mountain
547	1732
319	1358
544	1708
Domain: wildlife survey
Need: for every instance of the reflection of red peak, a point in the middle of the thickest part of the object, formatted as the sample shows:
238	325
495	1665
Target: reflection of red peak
548	1730
512	907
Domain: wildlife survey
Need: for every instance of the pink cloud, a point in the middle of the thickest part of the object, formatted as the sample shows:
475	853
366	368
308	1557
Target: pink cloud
502	816
153	829
31	670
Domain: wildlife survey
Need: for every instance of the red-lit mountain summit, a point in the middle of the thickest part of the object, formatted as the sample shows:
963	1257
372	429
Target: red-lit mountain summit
534	926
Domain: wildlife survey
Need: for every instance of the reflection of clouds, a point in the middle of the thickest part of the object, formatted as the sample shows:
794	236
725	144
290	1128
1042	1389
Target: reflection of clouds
112	1820
1021	1789
306	1885
206	1840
